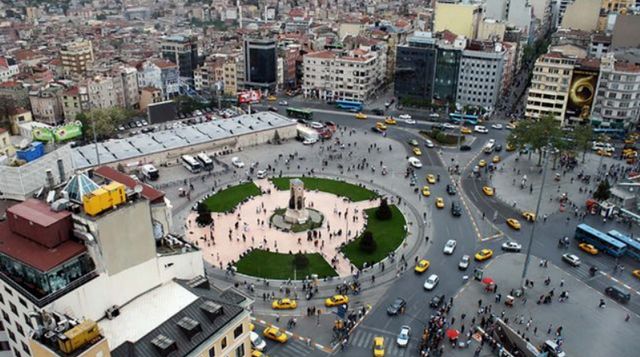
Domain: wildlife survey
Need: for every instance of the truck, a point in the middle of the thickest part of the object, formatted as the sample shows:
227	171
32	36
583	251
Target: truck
307	135
149	172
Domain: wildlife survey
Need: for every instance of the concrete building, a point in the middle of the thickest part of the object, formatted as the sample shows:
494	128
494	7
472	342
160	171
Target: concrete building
481	73
230	75
351	75
103	92
617	102
149	95
76	57
6	148
460	18
582	15
599	45
68	259
549	88
625	32
210	74
260	63
17	117
416	67
75	100
520	15
491	30
8	69
183	52
161	74
445	86
127	78
46	106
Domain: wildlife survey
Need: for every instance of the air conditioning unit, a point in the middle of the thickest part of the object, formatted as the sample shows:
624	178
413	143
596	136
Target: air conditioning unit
113	312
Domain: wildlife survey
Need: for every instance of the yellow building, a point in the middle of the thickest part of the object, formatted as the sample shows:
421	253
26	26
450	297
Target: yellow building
230	75
19	116
461	19
5	143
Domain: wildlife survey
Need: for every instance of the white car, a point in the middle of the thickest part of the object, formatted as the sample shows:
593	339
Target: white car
491	141
283	103
405	116
410	121
415	162
431	282
403	336
261	174
449	126
434	115
309	141
316	125
572	259
511	247
480	129
256	341
450	246
464	262
428	143
235	161
497	126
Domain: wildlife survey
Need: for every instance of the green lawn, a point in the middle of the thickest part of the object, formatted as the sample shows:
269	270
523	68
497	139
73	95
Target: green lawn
263	264
353	192
387	234
226	200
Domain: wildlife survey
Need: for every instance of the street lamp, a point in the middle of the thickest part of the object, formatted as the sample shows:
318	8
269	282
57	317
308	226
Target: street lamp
460	109
547	152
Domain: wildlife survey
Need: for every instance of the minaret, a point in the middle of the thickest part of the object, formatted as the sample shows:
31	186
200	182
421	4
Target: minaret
239	13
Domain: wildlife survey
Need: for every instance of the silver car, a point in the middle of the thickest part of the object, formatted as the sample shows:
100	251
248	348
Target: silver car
464	262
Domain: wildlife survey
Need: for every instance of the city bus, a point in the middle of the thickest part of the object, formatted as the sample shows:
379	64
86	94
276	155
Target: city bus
350	105
600	240
205	160
618	134
468	118
194	166
299	113
633	246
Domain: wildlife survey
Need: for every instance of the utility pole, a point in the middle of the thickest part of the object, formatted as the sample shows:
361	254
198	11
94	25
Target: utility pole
95	139
461	122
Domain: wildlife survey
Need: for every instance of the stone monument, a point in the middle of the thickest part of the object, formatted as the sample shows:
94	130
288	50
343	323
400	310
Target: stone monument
296	211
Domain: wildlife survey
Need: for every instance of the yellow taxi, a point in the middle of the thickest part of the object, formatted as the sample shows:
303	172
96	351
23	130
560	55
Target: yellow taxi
361	116
630	140
252	326
390	121
440	202
529	216
378	346
482	163
272	98
274	334
513	223
417	152
466	130
588	248
627	153
496	159
510	147
483	254
380	125
422	266
604	153
256	353
511	126
426	191
284	304
636	273
336	300
431	178
487	190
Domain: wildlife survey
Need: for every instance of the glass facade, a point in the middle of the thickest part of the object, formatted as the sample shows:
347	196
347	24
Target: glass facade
40	284
262	66
446	82
415	69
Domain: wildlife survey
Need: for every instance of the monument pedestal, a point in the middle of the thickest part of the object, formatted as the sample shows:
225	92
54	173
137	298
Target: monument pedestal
296	216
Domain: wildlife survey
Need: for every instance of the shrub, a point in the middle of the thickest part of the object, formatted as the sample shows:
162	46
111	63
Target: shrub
367	243
383	212
300	261
204	216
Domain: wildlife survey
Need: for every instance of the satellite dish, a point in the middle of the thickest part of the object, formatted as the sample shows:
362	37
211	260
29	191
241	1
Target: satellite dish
137	189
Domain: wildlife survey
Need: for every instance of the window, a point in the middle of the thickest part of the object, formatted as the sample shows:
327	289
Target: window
8	291
212	352
240	351
5	316
14	309
27	320
4	346
12	335
237	332
19	328
223	343
25	348
1	299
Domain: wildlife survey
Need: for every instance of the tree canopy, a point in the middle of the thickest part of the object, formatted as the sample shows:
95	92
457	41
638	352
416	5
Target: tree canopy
535	134
106	121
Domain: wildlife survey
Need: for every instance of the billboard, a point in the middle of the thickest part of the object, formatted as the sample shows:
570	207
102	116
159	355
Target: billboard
581	92
42	134
251	96
162	112
68	131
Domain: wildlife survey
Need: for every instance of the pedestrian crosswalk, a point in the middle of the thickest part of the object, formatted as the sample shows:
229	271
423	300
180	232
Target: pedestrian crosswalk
364	339
293	348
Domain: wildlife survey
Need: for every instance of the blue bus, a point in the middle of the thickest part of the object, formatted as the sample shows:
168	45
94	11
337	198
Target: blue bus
468	118
633	246
350	105
618	134
600	240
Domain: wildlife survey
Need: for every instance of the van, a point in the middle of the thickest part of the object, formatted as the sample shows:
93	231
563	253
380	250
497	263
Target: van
552	349
617	293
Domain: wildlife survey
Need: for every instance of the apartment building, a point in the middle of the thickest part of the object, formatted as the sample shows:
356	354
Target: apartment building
84	256
416	67
183	52
352	75
46	106
76	57
480	80
549	88
211	73
103	92
8	68
230	75
461	18
160	74
127	79
617	102
75	100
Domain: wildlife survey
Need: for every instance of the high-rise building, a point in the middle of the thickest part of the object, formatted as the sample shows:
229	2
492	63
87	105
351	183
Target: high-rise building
260	63
481	74
549	89
445	86
617	102
416	67
182	51
76	56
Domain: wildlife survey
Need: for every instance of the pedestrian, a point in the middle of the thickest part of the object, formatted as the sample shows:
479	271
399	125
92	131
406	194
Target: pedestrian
626	318
549	329
561	282
602	304
480	303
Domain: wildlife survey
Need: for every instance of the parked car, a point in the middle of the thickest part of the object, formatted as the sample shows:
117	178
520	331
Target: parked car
511	247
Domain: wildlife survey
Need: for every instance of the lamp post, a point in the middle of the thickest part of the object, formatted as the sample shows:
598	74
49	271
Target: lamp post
95	139
460	108
533	228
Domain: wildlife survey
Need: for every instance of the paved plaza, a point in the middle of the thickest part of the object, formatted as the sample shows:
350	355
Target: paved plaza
234	233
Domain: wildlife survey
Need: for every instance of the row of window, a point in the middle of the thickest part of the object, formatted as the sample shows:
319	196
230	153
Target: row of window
239	352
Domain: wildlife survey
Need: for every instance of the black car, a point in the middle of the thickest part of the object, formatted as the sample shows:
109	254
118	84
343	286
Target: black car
378	111
451	190
272	109
397	305
436	301
498	148
617	293
465	148
456	210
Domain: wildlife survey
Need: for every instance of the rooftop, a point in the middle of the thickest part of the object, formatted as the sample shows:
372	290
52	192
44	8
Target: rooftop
148	192
37	212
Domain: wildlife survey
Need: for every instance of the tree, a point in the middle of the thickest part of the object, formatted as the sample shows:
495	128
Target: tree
367	243
186	104
536	134
204	216
603	192
300	261
106	121
582	137
383	212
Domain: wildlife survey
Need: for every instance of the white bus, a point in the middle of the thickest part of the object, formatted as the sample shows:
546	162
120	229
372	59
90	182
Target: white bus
191	164
205	160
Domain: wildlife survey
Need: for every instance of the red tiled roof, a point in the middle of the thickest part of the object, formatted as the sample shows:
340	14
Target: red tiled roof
321	54
448	36
148	192
9	84
37	212
627	67
164	64
34	254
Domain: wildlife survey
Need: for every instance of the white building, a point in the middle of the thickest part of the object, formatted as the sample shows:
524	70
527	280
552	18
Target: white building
480	78
8	69
353	75
617	103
